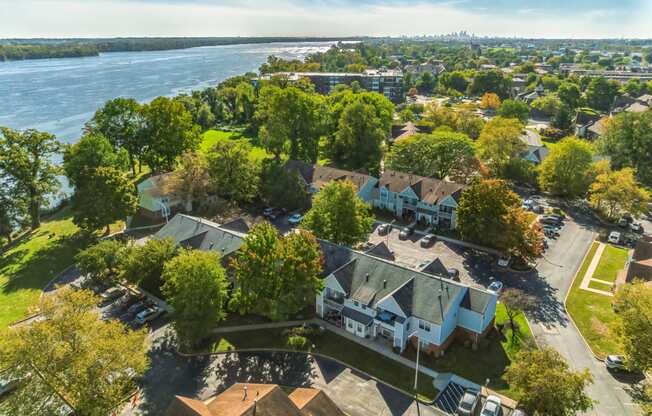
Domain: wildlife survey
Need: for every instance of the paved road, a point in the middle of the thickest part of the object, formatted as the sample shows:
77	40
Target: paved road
205	377
552	326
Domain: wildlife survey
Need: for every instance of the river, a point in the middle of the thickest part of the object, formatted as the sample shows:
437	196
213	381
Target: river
60	95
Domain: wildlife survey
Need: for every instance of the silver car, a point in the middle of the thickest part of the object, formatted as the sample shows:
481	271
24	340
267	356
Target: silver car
468	404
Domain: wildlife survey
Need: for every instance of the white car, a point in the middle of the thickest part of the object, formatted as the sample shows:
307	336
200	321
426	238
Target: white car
147	315
636	227
496	286
504	261
614	237
491	407
294	219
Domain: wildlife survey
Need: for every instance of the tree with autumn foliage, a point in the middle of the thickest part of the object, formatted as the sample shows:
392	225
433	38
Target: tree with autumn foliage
490	214
490	101
616	192
276	276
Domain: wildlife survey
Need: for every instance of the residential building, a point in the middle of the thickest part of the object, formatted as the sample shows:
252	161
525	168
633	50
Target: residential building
315	177
434	67
536	151
529	97
643	74
583	121
388	82
154	198
249	399
376	299
413	197
597	128
408	129
640	262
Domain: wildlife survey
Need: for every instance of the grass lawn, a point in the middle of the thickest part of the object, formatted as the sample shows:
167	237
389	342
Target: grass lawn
592	312
489	361
212	137
337	347
33	261
600	286
613	260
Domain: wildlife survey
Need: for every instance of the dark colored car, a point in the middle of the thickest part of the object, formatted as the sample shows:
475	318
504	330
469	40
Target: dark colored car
272	213
133	310
469	403
454	274
406	232
428	240
383	229
128	300
550	220
111	295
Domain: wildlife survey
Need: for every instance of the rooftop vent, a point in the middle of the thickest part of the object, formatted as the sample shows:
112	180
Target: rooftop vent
384	284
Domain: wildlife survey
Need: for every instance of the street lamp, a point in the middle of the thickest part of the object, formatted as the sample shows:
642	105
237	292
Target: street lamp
416	369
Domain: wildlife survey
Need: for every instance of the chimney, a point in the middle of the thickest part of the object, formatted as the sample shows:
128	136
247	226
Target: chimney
244	396
384	284
366	277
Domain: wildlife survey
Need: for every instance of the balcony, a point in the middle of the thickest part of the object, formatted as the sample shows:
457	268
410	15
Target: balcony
334	302
386	318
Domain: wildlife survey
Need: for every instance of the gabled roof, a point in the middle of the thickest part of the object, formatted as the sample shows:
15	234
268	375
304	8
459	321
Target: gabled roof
200	234
318	176
184	406
637	108
314	402
381	250
238	225
428	190
435	268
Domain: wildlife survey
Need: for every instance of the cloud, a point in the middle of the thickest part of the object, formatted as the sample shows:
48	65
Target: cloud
540	18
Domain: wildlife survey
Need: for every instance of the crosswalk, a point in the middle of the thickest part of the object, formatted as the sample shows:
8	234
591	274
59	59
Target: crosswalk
449	398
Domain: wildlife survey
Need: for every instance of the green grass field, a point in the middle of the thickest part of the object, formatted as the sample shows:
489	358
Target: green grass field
212	137
35	259
592	312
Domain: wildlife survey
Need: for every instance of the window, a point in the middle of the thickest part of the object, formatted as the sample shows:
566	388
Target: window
445	208
349	324
359	328
407	326
364	307
356	303
424	325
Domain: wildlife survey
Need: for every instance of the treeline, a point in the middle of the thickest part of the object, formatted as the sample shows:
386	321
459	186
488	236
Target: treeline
32	49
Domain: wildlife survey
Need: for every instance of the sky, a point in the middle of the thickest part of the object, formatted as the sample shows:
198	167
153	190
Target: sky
522	18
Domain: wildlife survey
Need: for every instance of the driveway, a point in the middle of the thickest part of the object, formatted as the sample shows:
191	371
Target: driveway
204	377
551	325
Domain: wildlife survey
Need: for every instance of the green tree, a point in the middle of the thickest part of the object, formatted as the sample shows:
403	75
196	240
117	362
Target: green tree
200	111
190	279
191	181
290	122
143	265
170	132
233	174
563	119
634	305
628	143
12	212
282	188
616	192
426	83
600	93
245	100
548	105
26	163
455	80
339	215
101	198
121	121
500	142
490	81
490	214
72	356
569	94
101	261
276	276
92	151
567	171
438	154
514	109
545	384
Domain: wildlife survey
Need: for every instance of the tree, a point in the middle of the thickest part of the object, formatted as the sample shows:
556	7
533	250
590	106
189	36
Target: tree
339	215
455	80
500	142
490	214
634	305
191	180
103	197
12	211
276	276
617	192
490	101
26	162
121	122
628	143
563	118
426	83
569	94
190	279
546	386
71	357
548	105
438	154
92	151
281	187
514	109
516	302
170	132
101	261
490	81
600	93
233	174
143	265
290	122
567	169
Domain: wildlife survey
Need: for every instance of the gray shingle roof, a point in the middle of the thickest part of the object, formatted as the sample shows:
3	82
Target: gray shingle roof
429	190
381	250
357	316
200	234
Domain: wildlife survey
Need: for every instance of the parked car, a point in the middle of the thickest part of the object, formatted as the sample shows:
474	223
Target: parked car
469	403
551	220
545	243
133	310
503	261
127	300
550	234
615	362
491	407
383	229
147	315
428	240
623	223
614	237
496	286
406	232
551	230
453	273
7	384
295	219
636	227
111	295
272	213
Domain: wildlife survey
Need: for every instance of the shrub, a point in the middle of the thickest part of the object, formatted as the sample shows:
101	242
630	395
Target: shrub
297	342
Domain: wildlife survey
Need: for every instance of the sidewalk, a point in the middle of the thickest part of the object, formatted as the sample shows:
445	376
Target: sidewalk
588	276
